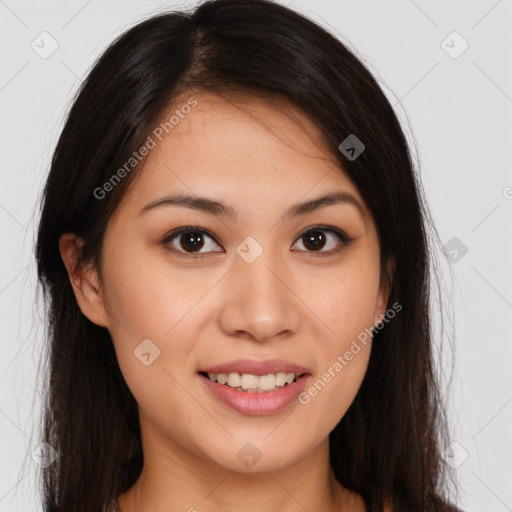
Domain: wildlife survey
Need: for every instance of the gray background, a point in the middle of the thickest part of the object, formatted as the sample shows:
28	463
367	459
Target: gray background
457	104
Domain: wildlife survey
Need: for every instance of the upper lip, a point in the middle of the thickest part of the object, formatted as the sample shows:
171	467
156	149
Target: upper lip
253	367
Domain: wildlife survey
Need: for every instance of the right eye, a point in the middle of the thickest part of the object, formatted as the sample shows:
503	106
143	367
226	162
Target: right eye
189	241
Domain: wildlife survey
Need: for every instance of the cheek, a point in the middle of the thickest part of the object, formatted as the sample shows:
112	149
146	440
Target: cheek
343	352
146	295
345	300
168	409
329	395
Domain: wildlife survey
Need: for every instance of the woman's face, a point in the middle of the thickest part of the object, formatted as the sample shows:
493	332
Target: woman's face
243	290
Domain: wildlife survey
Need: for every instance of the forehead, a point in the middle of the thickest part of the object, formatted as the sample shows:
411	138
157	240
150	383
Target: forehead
241	126
233	147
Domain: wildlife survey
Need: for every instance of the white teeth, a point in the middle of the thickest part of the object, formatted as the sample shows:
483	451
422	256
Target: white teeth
234	380
290	377
253	383
267	382
280	379
249	381
222	378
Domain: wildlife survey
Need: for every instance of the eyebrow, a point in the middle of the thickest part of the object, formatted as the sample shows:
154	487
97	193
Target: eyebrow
218	208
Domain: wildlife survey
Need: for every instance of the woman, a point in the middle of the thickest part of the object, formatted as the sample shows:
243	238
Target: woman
236	257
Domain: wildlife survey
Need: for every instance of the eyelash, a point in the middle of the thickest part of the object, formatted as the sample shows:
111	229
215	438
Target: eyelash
195	228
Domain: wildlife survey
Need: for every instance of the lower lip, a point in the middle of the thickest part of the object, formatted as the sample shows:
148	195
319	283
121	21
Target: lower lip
269	402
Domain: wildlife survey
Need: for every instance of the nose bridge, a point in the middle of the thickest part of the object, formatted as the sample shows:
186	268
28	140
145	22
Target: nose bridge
260	302
254	260
261	278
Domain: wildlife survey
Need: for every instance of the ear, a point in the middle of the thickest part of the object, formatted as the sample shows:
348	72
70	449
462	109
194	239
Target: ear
386	282
84	279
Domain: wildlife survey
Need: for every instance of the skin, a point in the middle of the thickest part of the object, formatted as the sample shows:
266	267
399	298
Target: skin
290	303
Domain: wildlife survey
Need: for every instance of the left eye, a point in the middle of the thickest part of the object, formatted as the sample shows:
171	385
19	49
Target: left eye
315	240
190	241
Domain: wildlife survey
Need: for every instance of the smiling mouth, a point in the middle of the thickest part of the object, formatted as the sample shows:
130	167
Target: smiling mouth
248	383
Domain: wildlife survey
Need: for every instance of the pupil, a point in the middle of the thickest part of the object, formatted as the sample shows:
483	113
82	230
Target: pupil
315	240
193	240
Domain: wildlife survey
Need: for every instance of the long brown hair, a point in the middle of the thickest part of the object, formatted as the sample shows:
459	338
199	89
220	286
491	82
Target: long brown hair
389	442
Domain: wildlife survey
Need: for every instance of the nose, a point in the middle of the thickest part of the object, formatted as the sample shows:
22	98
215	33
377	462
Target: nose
258	302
